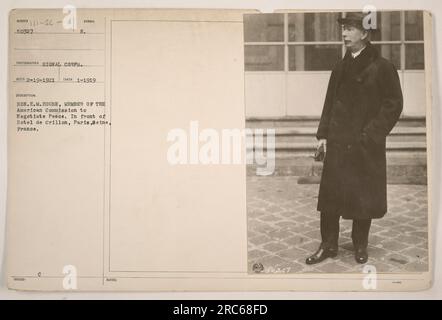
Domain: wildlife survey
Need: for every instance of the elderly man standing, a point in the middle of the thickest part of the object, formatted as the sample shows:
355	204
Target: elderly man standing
362	105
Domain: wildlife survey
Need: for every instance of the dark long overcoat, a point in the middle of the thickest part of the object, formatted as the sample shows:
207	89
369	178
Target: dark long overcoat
360	110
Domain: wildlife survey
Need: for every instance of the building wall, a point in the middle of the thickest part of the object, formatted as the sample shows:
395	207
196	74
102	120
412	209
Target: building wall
289	57
303	93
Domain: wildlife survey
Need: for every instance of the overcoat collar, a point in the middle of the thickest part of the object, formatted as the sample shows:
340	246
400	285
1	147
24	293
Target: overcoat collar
363	60
360	63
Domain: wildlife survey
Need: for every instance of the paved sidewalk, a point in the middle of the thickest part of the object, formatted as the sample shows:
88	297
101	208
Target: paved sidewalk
283	229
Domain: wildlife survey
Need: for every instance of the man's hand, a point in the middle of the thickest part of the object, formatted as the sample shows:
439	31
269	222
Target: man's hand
320	150
322	142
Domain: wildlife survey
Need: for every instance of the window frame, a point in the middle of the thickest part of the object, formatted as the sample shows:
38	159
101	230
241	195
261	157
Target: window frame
286	43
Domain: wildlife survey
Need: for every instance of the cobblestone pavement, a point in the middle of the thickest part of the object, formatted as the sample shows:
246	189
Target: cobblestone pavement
283	229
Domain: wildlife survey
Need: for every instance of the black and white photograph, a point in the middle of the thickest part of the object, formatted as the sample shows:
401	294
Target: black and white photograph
343	96
253	150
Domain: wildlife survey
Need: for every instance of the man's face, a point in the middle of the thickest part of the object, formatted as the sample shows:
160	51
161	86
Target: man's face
353	37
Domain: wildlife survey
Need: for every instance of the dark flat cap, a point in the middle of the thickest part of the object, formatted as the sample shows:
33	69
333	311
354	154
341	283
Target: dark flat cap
354	19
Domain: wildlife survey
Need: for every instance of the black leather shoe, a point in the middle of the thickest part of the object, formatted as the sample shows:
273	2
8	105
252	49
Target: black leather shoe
361	255
322	254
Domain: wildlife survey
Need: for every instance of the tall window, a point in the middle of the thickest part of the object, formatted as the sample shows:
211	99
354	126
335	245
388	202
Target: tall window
266	31
313	41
